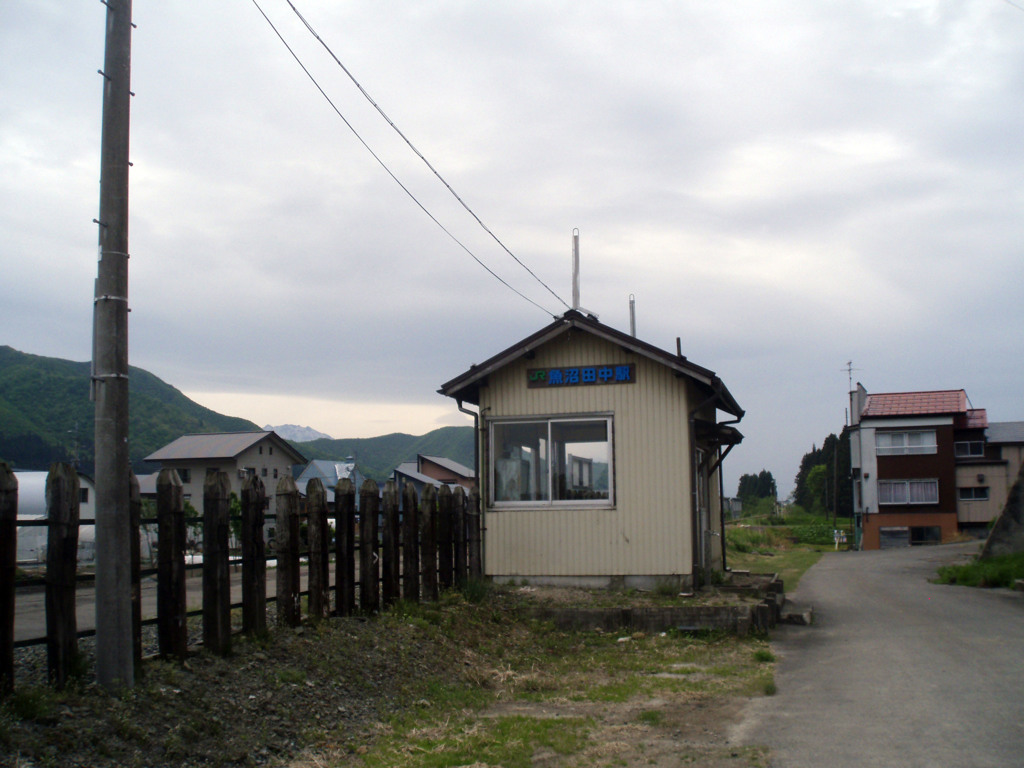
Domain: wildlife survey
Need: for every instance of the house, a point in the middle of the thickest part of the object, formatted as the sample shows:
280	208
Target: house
920	462
600	459
433	470
31	546
986	472
240	454
329	473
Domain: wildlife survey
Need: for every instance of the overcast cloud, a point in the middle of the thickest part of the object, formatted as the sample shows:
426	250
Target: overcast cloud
784	185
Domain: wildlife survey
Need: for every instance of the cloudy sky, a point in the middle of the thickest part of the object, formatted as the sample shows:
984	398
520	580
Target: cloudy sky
786	186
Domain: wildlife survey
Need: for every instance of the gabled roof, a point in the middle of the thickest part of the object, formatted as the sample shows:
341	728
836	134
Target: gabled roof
467	386
218	445
1005	432
949	401
452	466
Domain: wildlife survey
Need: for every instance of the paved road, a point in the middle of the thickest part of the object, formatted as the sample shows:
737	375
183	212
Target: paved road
896	672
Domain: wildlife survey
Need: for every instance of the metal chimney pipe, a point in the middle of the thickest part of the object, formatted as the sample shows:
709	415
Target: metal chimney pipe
576	269
632	315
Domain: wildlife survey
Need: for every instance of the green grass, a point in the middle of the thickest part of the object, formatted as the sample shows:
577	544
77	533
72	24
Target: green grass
1000	571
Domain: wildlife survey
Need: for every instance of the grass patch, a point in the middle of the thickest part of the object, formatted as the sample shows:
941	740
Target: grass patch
1000	571
508	741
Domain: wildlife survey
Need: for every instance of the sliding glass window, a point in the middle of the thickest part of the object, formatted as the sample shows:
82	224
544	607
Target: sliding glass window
552	462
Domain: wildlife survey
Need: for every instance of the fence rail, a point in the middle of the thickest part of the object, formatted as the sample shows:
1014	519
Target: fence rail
408	547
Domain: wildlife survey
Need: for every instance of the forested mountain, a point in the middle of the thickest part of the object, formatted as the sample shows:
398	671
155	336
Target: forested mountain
46	416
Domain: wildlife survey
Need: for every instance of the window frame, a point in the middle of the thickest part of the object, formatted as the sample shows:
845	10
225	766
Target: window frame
973	494
906	449
907	495
971	446
550	423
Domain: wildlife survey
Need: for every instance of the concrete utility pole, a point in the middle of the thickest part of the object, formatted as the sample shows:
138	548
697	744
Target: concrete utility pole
114	648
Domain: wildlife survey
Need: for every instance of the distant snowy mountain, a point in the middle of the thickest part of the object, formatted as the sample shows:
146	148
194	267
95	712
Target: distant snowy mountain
297	433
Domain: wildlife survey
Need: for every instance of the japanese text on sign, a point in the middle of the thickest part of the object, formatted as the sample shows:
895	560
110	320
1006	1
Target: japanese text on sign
584	375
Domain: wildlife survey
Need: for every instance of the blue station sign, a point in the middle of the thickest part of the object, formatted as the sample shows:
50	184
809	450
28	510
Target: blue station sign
580	376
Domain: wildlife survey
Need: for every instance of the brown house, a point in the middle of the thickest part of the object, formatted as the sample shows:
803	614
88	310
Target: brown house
905	452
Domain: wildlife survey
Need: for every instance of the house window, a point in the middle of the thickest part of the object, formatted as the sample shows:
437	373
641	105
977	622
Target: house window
556	462
275	473
185	475
908	492
263	472
973	494
905	443
83	495
969	449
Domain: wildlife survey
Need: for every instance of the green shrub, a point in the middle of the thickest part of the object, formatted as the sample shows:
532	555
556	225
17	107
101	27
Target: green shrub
1000	571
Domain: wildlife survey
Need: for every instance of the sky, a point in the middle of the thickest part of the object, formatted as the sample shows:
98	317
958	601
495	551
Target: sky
793	189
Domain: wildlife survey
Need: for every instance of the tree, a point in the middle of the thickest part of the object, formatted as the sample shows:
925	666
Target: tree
759	486
834	495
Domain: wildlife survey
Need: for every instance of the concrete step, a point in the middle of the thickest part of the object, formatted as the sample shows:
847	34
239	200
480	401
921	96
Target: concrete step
793	613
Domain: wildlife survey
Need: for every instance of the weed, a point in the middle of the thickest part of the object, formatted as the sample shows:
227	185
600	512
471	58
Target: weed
651	717
291	676
763	655
1000	571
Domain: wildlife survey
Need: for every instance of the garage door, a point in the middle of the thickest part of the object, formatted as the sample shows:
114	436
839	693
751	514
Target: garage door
892	538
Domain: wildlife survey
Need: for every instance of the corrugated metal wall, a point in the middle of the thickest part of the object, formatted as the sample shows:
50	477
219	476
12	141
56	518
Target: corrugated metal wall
648	532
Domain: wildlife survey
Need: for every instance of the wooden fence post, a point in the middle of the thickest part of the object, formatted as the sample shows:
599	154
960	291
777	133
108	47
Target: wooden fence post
8	565
319	550
428	543
390	557
369	584
171	601
289	609
62	509
345	547
216	575
135	545
445	564
254	557
410	544
476	569
459	526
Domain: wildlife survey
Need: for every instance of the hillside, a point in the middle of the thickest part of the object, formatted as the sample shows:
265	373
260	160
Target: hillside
377	456
46	414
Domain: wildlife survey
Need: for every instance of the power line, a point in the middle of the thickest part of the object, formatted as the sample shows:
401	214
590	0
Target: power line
388	170
418	153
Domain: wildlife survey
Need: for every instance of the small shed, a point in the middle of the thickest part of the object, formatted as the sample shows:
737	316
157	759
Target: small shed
600	459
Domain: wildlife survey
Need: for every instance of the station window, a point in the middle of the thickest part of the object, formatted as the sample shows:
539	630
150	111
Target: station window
556	462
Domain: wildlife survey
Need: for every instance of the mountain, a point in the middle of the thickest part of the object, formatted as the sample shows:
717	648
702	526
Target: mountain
297	433
377	456
46	414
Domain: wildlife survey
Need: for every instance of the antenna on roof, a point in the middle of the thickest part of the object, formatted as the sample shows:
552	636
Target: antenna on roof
576	275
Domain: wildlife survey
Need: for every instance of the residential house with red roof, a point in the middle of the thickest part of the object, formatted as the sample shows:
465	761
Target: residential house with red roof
914	456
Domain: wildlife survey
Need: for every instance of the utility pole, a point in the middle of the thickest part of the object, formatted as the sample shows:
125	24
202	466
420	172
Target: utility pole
114	644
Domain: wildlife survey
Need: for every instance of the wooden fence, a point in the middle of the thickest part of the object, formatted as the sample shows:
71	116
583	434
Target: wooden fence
397	546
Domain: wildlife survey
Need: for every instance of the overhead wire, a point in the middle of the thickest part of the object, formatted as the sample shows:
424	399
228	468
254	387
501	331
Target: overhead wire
383	165
419	154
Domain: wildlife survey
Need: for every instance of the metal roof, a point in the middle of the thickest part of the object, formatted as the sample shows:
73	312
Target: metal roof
915	403
451	466
217	445
1005	432
466	386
